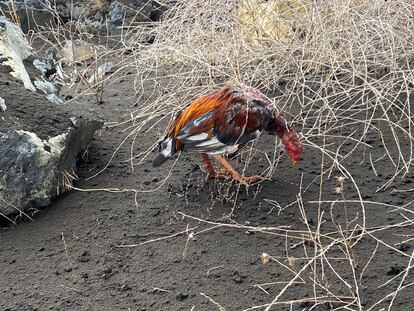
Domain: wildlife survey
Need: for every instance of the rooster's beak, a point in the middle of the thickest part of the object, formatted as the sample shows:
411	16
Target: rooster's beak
294	163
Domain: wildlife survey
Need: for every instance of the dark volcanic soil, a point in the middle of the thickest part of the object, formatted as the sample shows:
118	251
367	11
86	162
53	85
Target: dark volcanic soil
98	250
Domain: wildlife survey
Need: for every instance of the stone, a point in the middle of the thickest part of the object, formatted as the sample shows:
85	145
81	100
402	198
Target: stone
32	170
51	90
3	106
14	48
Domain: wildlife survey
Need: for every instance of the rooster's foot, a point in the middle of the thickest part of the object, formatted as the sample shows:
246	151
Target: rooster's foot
229	172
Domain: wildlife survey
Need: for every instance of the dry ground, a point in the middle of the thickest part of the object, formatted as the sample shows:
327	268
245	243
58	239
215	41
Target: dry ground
191	242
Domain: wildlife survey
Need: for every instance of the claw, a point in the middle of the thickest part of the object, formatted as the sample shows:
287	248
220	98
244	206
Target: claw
233	174
252	179
227	171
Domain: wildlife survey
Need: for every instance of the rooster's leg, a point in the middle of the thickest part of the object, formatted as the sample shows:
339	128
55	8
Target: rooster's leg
245	180
208	166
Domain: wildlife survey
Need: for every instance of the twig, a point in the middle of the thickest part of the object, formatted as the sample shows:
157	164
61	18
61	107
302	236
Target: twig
220	307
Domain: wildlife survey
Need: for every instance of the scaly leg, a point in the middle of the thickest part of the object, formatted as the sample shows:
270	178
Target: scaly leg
244	180
208	166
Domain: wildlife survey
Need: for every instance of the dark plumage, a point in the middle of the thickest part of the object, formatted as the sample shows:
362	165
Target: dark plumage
223	121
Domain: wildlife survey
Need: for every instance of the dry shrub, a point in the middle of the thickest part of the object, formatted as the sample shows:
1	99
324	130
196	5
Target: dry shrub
343	64
340	70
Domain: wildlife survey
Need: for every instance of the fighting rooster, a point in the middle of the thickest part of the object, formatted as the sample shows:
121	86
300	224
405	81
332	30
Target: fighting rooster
221	122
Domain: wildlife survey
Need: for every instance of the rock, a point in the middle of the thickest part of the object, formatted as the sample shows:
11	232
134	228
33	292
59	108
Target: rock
30	13
46	67
181	296
51	90
100	73
117	16
14	48
77	51
3	106
133	10
33	169
98	16
404	247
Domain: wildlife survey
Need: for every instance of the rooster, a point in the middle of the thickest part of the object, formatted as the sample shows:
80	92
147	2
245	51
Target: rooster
220	123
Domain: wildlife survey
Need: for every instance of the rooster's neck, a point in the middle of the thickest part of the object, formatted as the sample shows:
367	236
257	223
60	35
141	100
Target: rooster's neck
277	125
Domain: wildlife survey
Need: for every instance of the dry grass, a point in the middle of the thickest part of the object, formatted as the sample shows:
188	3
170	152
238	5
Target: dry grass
343	76
346	71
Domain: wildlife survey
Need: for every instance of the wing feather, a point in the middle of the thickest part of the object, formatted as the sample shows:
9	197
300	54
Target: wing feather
241	122
219	120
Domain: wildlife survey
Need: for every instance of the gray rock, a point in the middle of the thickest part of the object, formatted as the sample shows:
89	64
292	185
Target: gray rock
3	106
43	66
51	90
32	170
98	16
31	14
14	48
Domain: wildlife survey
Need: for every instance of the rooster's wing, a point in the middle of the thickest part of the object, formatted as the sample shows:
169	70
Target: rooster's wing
225	128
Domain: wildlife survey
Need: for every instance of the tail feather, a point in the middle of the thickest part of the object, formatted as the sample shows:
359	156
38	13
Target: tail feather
166	151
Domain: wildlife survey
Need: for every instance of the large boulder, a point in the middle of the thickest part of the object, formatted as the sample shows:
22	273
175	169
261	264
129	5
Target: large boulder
34	171
40	143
